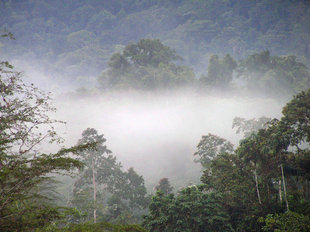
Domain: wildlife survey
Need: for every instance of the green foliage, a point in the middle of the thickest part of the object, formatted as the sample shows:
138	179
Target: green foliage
149	52
198	28
164	186
296	118
220	71
228	175
192	209
272	74
288	221
247	127
102	188
98	227
25	201
147	64
210	146
269	166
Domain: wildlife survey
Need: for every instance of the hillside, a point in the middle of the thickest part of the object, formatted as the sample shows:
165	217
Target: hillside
75	39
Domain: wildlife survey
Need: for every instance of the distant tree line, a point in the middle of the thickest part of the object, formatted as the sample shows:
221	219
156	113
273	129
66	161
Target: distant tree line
149	65
74	39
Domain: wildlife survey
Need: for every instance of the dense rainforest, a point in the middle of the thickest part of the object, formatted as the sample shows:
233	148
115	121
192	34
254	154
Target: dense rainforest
158	53
75	39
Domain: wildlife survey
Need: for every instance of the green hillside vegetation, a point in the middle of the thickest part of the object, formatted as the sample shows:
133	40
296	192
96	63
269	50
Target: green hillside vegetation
74	39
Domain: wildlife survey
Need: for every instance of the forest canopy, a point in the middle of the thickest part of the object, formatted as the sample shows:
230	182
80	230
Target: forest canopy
75	39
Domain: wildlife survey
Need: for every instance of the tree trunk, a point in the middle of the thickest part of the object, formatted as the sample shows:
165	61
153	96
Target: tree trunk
307	190
284	187
280	191
95	192
257	189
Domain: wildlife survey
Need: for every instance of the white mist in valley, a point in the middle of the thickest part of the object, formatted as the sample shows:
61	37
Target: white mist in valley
157	133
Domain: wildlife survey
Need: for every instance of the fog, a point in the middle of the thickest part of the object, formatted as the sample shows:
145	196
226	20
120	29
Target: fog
48	80
154	132
157	133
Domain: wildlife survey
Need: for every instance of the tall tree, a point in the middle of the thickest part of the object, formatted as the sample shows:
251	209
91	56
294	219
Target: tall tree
147	64
249	126
103	190
220	71
25	204
211	146
248	147
100	168
164	186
